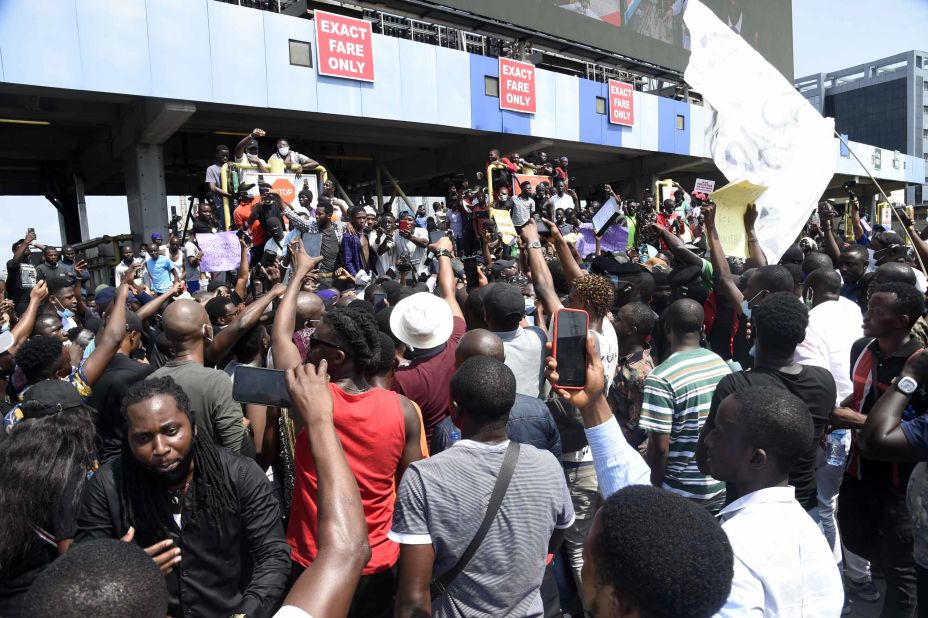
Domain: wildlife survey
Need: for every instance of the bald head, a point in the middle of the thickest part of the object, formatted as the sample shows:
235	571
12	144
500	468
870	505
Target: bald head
308	307
894	272
825	284
684	317
184	320
479	342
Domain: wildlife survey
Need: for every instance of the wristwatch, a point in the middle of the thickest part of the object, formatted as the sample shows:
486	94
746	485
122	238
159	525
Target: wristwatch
443	253
905	384
534	245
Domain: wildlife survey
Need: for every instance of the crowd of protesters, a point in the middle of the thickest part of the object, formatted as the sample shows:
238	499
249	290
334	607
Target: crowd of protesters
744	440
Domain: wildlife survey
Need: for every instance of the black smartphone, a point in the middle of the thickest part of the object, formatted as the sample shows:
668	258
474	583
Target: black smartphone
31	230
570	333
542	227
435	236
262	386
380	301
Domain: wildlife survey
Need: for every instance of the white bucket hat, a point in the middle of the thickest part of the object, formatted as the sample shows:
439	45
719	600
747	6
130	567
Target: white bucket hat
422	321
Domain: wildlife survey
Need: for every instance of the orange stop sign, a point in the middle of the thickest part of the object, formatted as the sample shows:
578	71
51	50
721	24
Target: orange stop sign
286	189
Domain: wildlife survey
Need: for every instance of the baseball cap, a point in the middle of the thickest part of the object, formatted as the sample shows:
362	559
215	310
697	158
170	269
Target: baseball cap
503	302
368	210
155	235
50	397
422	321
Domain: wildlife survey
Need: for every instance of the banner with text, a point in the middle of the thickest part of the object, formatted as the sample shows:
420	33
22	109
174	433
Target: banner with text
345	47
621	103
534	180
221	252
516	86
288	185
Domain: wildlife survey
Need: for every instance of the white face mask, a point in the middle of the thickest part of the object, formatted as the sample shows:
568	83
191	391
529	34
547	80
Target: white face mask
283	152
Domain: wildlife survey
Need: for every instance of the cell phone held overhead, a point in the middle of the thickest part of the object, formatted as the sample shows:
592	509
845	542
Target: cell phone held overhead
571	328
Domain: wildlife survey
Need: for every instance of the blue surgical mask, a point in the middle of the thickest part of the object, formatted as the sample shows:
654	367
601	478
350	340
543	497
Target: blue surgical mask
67	319
746	309
529	306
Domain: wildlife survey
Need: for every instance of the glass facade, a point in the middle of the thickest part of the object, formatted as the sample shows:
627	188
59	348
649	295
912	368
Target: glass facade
873	114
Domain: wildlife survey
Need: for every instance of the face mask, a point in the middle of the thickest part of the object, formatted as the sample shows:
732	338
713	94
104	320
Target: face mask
529	306
746	309
872	255
283	152
178	474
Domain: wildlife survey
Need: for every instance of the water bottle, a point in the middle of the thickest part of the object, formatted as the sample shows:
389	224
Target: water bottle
455	435
834	445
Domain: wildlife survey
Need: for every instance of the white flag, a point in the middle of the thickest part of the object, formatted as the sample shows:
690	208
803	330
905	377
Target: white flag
761	128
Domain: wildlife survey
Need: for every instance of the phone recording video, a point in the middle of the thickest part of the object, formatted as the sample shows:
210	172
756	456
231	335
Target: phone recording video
261	386
570	333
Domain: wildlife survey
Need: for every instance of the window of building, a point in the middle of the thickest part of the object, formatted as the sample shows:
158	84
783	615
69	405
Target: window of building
491	86
300	54
681	122
601	106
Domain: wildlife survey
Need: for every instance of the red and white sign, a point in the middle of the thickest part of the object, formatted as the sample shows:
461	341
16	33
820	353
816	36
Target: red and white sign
516	86
621	103
345	47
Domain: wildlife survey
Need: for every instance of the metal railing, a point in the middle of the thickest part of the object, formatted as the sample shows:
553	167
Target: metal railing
276	6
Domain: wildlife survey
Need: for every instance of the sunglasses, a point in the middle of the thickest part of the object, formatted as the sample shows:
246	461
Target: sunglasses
315	341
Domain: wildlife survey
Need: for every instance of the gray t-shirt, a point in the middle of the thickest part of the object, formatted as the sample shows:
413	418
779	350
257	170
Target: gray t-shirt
210	394
521	209
525	355
442	501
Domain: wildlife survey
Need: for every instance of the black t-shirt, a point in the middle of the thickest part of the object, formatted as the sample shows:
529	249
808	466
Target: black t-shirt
108	393
813	385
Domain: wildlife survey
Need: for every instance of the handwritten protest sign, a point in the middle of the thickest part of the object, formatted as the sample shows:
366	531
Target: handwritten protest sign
220	251
516	86
614	240
704	186
504	224
731	202
345	46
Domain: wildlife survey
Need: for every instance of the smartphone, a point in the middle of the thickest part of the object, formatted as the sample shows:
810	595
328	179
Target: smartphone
380	301
262	386
31	230
542	227
569	348
405	225
435	236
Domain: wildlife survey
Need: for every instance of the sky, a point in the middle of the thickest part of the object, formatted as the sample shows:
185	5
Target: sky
827	35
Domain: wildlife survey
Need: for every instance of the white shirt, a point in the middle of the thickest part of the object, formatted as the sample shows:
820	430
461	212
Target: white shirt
387	259
289	611
833	328
783	564
193	272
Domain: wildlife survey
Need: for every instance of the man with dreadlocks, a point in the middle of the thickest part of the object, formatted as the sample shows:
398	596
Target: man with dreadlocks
378	431
196	508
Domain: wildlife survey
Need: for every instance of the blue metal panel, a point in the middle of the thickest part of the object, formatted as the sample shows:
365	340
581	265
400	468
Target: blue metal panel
384	97
177	37
419	82
612	133
485	114
544	122
591	123
288	86
39	43
568	107
682	136
339	96
666	125
517	123
453	101
114	59
236	41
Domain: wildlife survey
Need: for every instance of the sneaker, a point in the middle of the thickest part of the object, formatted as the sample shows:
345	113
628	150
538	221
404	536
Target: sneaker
867	591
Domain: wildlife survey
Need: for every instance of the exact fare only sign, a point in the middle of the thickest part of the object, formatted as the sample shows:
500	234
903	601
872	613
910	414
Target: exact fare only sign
621	103
344	47
516	86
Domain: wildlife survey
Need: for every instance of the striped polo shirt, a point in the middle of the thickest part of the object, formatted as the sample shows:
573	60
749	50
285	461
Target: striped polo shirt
677	397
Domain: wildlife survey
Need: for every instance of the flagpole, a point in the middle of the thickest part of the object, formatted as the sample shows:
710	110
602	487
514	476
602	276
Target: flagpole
883	193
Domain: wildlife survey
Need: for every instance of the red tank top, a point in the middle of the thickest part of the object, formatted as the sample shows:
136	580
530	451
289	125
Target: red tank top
372	431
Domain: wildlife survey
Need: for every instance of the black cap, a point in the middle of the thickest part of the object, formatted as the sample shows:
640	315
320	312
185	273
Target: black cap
50	397
133	322
500	265
684	275
604	265
252	144
503	302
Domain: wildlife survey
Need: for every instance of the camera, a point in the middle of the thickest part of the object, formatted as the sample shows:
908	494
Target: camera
847	187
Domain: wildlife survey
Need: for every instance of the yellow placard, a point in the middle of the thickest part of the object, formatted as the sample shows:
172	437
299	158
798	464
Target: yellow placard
730	203
504	226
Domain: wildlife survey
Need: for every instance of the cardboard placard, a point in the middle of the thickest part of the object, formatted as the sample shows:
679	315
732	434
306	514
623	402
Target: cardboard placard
220	252
730	203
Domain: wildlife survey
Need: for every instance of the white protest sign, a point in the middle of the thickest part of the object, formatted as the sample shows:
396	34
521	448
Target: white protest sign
704	186
761	129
